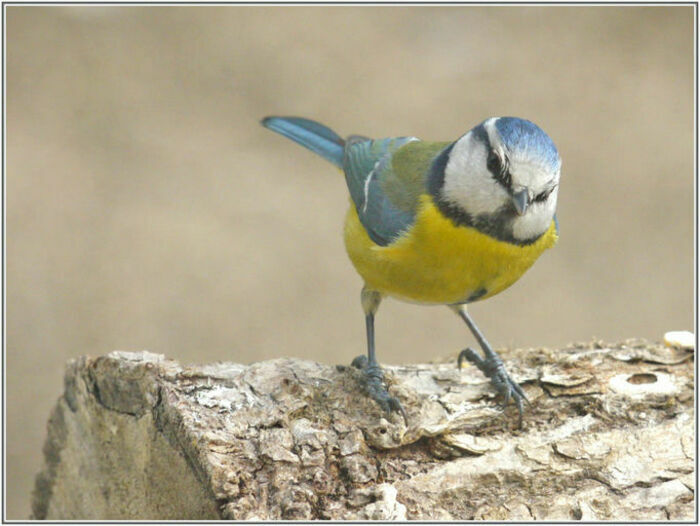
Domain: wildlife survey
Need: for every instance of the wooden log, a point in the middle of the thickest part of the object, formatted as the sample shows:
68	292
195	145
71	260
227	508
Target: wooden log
609	435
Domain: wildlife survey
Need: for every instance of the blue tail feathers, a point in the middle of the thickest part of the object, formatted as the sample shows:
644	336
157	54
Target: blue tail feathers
310	134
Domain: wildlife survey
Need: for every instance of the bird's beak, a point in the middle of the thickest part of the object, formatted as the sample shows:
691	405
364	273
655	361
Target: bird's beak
521	200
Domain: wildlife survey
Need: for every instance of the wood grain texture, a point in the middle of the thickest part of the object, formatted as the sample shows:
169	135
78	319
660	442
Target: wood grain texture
609	435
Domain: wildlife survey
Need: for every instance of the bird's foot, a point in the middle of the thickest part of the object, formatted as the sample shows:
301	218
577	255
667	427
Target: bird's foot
493	368
374	385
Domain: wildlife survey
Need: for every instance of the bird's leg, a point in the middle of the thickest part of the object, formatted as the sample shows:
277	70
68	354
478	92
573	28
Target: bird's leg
374	376
491	365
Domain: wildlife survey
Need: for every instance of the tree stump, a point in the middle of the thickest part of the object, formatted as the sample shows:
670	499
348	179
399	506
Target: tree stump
609	435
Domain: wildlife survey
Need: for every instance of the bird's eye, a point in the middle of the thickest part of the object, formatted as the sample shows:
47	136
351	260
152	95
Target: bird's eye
493	163
542	196
498	167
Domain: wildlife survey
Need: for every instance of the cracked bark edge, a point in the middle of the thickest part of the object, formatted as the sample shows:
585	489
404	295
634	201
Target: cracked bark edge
609	436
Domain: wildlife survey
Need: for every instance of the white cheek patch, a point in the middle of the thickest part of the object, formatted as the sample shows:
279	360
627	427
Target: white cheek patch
468	183
536	220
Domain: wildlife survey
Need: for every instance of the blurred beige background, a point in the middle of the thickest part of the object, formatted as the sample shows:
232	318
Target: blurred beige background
148	209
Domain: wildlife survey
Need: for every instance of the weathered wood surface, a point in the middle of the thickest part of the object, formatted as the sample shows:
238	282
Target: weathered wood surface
609	435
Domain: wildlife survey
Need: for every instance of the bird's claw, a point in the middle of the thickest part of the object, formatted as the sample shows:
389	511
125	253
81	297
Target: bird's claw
493	368
360	362
374	385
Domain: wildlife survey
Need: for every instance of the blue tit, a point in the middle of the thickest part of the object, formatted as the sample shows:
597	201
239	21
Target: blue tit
445	223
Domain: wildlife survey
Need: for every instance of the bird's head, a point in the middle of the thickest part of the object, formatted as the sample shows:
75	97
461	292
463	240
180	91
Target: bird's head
502	177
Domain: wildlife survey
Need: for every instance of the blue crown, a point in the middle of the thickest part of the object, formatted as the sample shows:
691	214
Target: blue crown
522	137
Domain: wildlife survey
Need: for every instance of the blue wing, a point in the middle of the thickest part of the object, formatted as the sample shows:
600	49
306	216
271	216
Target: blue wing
385	202
368	170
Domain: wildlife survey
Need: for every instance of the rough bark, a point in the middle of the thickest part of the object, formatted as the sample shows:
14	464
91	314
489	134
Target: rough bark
609	435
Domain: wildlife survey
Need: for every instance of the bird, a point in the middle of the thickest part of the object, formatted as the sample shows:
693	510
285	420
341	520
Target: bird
442	223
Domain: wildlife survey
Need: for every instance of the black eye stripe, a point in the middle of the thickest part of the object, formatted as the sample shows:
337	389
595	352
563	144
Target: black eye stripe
542	196
493	163
498	168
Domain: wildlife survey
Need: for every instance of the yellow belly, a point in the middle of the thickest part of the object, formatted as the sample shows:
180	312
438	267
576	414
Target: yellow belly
438	262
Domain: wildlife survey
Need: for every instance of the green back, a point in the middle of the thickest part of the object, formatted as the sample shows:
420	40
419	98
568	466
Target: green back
386	178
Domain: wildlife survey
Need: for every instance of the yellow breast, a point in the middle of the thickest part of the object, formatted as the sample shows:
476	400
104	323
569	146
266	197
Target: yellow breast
438	262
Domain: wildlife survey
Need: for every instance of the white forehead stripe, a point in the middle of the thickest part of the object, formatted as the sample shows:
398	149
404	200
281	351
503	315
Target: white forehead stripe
494	136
